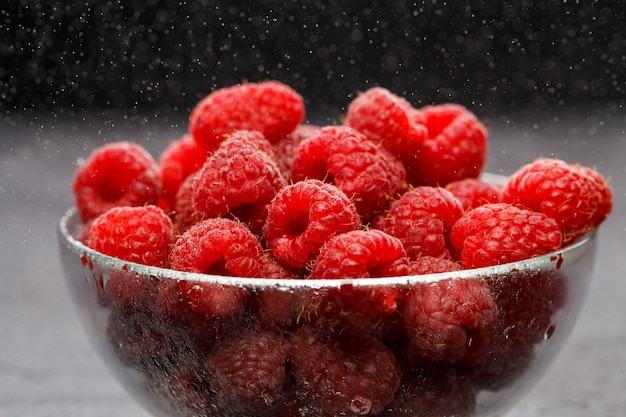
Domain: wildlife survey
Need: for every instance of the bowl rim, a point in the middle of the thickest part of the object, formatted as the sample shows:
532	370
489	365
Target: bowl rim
551	260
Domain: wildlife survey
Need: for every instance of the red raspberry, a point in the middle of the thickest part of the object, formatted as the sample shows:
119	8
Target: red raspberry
286	148
499	233
302	217
456	147
350	376
473	192
221	247
270	107
388	120
247	373
366	173
577	197
501	353
361	254
438	315
180	159
431	265
422	219
183	212
218	246
238	179
116	174
135	234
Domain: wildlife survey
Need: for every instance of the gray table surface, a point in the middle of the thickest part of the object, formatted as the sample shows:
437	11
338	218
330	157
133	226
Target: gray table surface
48	367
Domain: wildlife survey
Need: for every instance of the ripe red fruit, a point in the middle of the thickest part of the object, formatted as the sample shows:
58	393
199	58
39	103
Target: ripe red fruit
422	219
270	107
248	372
180	159
474	192
577	197
135	234
456	146
499	233
116	174
350	376
302	217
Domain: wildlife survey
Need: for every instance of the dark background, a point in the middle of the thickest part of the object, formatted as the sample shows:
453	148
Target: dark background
164	55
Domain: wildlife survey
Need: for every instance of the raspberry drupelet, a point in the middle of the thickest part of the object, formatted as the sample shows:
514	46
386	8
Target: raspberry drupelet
116	174
270	107
368	174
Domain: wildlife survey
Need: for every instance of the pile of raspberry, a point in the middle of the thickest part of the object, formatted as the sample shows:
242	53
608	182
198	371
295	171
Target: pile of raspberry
253	191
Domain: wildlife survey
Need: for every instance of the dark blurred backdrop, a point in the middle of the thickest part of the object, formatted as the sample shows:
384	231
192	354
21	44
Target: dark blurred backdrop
163	55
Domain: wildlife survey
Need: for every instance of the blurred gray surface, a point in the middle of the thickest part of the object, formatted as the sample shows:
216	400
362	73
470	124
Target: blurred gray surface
48	368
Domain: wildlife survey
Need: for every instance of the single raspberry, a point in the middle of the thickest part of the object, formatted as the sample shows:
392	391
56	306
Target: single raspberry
431	265
180	158
270	107
286	148
135	234
365	172
577	197
389	120
116	174
474	192
502	353
248	373
351	376
217	246
499	233
361	254
302	217
456	147
422	219
239	179
438	313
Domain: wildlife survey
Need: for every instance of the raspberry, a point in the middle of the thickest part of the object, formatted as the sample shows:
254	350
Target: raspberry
218	246
116	174
473	192
180	159
238	179
361	254
286	148
302	217
366	173
351	376
431	265
456	147
502	352
183	212
247	373
270	107
134	234
222	247
577	197
422	219
388	120
437	315
499	233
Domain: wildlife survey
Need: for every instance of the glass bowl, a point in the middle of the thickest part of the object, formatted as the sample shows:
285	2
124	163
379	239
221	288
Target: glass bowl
167	354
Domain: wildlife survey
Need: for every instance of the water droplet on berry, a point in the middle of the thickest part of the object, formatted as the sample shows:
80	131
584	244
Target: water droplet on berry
549	331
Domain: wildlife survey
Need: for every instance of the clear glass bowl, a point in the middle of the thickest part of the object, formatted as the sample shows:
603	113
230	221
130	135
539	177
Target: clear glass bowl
157	345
